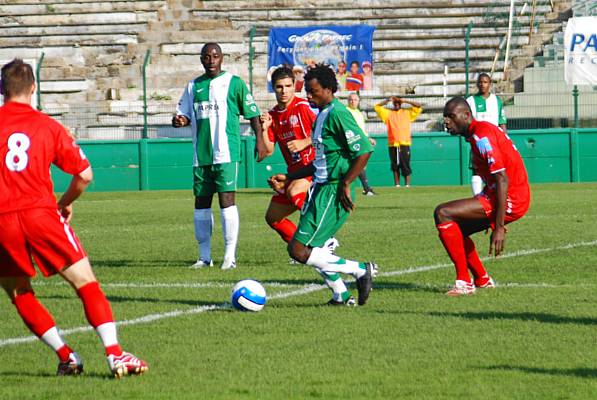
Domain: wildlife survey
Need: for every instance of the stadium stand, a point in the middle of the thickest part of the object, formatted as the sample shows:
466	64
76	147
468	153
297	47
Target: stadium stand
91	74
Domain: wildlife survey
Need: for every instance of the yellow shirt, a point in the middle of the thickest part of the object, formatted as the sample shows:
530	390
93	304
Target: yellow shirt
398	123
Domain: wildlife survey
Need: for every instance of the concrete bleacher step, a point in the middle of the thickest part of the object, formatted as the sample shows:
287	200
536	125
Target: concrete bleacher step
77	19
56	7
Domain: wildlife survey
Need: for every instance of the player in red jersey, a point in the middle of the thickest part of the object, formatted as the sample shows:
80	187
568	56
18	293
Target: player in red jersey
35	226
505	199
288	124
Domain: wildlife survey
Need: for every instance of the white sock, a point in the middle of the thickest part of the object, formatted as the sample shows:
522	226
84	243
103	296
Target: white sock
204	222
53	339
335	283
230	225
321	258
107	334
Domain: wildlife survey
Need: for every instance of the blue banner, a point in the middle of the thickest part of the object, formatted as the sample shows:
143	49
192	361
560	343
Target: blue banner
347	49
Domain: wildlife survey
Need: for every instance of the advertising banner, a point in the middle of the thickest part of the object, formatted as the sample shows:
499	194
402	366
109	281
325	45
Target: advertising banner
580	47
347	49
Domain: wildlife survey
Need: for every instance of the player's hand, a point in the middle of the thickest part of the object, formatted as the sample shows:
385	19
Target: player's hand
372	141
496	244
297	145
179	121
66	212
344	196
266	121
277	182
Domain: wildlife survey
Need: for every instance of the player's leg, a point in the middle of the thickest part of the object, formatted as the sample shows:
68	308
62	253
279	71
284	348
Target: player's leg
321	219
99	315
16	270
203	220
40	322
456	220
275	216
225	180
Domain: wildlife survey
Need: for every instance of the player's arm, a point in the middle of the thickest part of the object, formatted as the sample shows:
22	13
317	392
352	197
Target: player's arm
260	147
306	118
356	168
182	117
498	236
78	184
266	125
298	145
503	128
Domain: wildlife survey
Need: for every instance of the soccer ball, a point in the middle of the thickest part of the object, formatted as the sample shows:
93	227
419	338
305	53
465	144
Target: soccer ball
248	295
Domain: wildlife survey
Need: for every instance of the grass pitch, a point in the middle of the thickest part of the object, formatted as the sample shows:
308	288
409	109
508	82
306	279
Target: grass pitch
533	337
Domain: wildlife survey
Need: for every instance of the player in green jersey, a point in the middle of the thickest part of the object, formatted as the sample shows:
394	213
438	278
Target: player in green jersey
341	152
212	104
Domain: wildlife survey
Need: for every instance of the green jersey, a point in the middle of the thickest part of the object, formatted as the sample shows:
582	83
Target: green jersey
488	109
338	141
214	105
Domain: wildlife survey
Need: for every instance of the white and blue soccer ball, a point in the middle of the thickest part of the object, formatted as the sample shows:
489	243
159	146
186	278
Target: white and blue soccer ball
248	295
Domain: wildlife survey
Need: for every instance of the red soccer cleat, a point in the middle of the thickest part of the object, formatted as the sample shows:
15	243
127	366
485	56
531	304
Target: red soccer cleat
126	364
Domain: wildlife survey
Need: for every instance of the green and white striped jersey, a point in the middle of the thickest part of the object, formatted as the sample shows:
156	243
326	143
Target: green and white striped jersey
338	140
489	110
214	105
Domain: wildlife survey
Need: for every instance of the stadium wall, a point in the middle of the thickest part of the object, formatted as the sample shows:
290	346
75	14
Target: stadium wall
550	155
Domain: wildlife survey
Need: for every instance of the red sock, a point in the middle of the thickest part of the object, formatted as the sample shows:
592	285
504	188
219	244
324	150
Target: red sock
299	199
451	237
97	307
285	229
33	313
472	259
63	353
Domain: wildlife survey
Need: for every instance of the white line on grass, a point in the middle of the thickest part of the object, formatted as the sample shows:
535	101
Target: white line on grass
307	289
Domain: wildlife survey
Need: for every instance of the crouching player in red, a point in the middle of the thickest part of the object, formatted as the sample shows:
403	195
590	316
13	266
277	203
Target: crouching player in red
34	225
289	124
506	197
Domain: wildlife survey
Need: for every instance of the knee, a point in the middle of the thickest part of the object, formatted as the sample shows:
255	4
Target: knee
441	214
270	220
298	251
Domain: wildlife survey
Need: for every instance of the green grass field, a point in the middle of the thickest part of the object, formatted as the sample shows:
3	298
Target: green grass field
533	337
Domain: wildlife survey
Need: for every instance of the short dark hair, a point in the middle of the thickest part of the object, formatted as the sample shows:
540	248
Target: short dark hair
324	75
17	78
211	44
282	73
483	74
457	102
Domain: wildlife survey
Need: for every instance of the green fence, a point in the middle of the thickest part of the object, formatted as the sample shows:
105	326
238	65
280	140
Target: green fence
551	155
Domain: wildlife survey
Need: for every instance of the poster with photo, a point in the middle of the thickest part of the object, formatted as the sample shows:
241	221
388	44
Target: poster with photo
346	49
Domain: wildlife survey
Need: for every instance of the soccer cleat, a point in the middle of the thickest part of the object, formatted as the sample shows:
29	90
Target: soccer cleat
370	193
461	288
350	302
331	244
126	364
74	366
202	264
365	282
228	263
489	283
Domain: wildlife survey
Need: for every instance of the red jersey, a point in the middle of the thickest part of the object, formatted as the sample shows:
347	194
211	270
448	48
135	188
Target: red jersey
294	122
493	151
29	143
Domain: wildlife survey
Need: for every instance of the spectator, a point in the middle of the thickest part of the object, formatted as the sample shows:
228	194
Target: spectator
399	122
354	80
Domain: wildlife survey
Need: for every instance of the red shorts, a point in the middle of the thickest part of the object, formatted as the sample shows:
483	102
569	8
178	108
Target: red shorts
514	210
281	198
41	233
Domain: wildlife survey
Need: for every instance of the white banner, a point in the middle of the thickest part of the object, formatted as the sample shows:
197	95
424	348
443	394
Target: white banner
580	51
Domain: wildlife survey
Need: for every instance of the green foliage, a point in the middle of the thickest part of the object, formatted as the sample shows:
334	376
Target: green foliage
533	337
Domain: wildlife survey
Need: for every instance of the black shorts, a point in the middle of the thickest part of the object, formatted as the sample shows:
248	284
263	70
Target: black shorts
400	159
